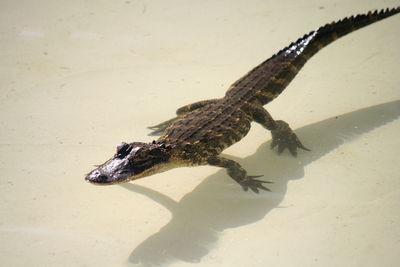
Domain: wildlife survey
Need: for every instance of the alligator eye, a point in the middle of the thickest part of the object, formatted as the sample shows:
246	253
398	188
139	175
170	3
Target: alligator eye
156	152
123	150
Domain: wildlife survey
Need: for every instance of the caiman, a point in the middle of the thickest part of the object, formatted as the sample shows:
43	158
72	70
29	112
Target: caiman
202	130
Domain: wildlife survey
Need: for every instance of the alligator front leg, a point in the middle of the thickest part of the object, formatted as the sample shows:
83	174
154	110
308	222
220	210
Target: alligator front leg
237	173
160	128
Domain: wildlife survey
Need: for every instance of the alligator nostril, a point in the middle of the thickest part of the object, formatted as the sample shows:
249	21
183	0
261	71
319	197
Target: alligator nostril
97	177
101	178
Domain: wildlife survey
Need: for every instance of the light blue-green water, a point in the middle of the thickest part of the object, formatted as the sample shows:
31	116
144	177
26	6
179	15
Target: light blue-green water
79	77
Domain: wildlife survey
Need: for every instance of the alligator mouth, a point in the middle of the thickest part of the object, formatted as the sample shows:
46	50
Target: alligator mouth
113	171
98	178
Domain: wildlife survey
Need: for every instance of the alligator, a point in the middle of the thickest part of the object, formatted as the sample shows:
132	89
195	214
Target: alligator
202	130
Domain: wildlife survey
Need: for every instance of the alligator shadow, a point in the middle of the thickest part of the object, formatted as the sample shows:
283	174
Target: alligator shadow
218	203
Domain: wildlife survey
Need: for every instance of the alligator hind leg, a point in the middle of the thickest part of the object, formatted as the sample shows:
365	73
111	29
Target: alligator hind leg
158	129
237	173
282	135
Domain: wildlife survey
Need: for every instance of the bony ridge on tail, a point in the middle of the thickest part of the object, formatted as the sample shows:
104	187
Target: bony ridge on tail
202	130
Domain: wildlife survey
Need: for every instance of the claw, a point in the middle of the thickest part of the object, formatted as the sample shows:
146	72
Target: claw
266	182
284	137
281	147
156	132
300	145
265	188
293	151
254	176
255	190
158	129
274	143
254	184
163	124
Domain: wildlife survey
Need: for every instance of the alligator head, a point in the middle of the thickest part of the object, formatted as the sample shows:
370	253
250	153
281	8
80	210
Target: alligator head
130	162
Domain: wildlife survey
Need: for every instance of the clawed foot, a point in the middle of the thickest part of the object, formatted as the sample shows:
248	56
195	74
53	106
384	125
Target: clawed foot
161	127
284	137
253	184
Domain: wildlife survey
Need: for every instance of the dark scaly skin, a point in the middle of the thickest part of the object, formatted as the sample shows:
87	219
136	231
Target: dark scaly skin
202	130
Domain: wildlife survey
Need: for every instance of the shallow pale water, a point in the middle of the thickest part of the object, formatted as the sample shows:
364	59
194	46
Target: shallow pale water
77	78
